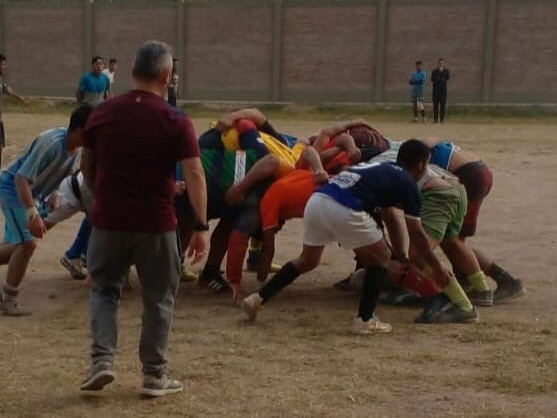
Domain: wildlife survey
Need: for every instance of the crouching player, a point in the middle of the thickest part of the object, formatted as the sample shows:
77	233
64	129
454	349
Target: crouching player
285	199
341	211
33	176
476	177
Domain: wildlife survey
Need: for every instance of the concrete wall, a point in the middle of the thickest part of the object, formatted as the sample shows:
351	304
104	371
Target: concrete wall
499	51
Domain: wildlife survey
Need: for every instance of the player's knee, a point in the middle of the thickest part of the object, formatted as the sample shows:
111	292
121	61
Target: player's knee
306	263
28	247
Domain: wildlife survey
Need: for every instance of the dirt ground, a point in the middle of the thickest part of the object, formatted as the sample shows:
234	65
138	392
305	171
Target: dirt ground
299	359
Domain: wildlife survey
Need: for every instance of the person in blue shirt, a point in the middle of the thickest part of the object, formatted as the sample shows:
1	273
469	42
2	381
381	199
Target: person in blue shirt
30	178
94	86
342	211
417	81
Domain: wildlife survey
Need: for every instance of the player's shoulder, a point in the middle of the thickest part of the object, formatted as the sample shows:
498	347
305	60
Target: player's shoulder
54	133
51	140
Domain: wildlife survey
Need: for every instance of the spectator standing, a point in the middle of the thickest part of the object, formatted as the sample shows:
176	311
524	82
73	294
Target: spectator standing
110	72
5	89
173	86
439	78
132	145
417	81
94	86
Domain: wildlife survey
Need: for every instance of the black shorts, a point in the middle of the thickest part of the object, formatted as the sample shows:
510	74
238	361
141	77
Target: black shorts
2	135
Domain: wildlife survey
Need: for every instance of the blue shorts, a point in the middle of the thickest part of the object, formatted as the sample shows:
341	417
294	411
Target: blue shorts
15	231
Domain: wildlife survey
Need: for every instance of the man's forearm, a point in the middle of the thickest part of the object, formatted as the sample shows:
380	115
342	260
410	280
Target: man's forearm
262	170
255	115
13	94
24	192
329	154
310	157
397	234
197	193
333	130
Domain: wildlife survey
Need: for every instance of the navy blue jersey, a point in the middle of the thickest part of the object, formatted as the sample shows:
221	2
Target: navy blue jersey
373	186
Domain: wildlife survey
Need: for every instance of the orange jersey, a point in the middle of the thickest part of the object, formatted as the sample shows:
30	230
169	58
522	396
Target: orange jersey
286	198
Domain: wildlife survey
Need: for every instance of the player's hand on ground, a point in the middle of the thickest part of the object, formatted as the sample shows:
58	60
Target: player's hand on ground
179	188
36	226
234	196
320	176
199	245
237	292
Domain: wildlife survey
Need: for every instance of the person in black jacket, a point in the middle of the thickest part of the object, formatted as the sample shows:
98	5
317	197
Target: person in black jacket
439	78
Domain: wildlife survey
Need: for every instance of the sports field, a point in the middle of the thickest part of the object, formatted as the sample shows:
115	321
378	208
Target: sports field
299	359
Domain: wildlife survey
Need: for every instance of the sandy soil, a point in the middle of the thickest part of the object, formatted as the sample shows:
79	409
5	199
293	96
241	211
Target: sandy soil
298	359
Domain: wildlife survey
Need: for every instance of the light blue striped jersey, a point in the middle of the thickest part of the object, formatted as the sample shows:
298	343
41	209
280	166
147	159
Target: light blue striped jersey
45	163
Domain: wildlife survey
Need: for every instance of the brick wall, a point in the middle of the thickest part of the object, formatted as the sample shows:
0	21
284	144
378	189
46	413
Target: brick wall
228	51
44	47
526	52
327	50
427	32
119	29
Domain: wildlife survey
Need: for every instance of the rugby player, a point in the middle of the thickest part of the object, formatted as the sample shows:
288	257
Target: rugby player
341	211
31	177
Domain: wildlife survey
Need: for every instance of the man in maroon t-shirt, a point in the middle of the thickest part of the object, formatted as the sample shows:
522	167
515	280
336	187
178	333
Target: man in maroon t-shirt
132	145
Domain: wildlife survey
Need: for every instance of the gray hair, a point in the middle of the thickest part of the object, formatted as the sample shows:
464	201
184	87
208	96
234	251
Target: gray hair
152	58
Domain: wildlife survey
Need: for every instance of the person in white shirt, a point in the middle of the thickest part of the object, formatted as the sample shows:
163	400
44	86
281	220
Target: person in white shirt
111	70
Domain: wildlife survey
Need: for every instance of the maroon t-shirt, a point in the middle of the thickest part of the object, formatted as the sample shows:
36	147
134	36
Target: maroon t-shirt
137	139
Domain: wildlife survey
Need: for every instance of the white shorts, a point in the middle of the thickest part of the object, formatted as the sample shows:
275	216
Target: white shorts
67	204
326	220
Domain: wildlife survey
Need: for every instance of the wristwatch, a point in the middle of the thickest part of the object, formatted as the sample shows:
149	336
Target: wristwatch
199	226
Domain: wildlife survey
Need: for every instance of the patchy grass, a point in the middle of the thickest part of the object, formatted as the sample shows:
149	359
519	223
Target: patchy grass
327	111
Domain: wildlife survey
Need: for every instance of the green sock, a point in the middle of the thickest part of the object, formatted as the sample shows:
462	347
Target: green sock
477	280
457	295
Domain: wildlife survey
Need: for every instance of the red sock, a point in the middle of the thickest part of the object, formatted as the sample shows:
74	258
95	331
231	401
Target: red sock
237	247
418	283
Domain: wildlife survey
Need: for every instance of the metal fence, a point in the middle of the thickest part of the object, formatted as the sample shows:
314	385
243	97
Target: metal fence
498	51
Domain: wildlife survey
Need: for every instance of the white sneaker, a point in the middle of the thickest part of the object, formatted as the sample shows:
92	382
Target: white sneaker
373	326
11	307
251	305
160	386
